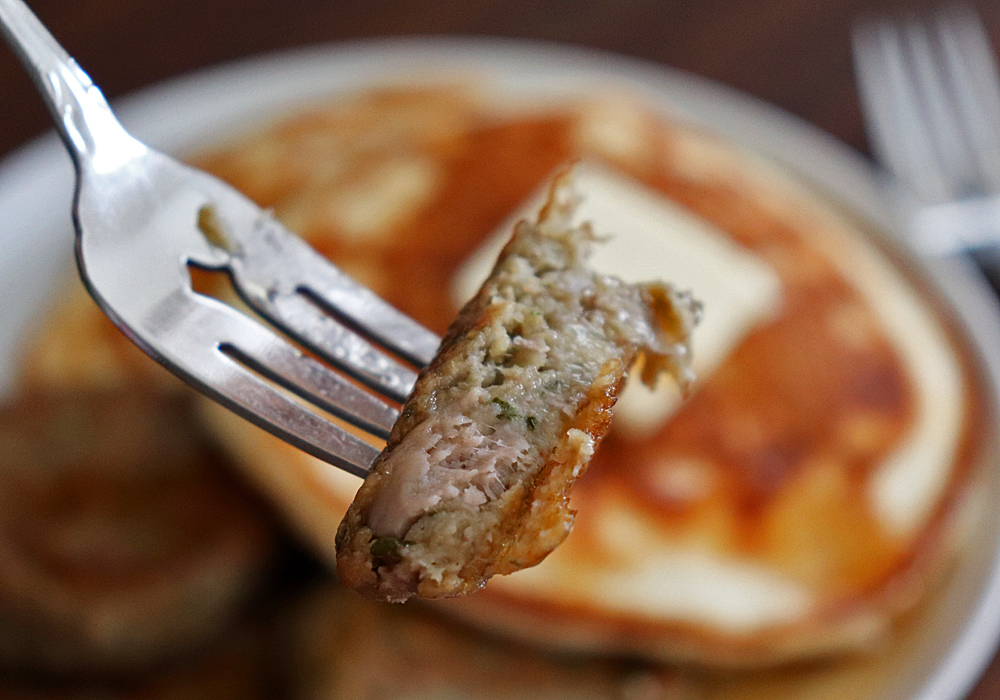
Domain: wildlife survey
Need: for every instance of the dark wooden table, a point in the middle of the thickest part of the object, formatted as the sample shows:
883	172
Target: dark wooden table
793	53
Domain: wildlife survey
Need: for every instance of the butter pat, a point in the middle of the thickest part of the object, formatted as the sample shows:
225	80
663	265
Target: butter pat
653	238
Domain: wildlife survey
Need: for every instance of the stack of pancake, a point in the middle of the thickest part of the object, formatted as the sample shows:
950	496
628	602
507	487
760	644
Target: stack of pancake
793	505
803	497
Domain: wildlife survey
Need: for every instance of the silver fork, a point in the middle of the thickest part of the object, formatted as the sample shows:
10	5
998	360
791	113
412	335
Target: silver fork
143	218
930	90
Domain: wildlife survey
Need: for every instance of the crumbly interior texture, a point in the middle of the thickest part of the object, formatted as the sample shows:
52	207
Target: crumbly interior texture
475	478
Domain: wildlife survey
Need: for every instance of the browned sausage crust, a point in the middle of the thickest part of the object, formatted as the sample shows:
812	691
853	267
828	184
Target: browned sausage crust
475	478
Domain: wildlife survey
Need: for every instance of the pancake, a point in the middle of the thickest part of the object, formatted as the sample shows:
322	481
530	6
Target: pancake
348	648
124	544
760	521
801	499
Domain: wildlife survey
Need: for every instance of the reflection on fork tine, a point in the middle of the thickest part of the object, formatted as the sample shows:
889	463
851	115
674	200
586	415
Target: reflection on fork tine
291	285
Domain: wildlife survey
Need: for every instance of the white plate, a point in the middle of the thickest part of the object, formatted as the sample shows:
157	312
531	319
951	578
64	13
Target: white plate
36	232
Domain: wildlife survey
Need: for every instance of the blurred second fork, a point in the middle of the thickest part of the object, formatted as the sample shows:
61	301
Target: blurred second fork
930	91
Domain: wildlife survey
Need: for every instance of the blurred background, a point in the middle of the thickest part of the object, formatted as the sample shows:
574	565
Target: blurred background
795	54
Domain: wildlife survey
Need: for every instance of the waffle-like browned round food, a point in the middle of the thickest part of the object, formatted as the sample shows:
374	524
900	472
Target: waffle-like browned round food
241	666
346	647
123	541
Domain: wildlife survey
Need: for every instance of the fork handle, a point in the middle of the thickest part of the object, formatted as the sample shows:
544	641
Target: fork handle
81	114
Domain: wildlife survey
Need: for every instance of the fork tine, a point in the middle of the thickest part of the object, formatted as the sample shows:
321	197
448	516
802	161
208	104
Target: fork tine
886	89
223	353
972	65
932	103
308	298
932	85
286	366
251	397
264	406
303	320
394	330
